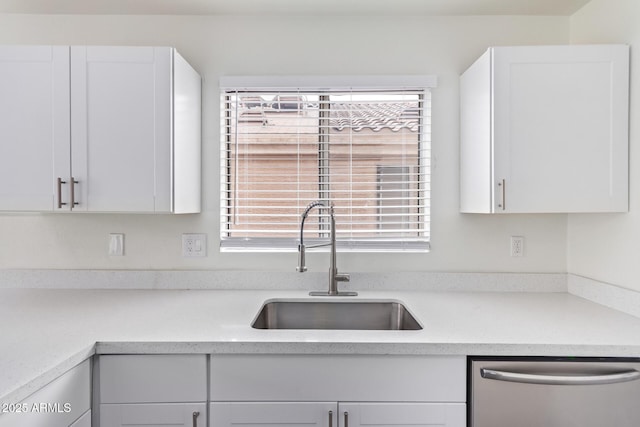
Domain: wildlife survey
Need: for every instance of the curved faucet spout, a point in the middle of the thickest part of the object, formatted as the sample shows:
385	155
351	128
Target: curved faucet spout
334	277
305	214
301	247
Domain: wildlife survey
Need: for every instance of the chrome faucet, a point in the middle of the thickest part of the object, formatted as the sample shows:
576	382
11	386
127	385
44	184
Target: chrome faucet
334	276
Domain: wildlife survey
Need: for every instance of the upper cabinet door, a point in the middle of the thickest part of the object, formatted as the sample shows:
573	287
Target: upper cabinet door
121	128
97	129
545	129
34	130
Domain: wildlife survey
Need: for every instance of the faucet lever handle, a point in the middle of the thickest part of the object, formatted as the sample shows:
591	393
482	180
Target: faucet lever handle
343	277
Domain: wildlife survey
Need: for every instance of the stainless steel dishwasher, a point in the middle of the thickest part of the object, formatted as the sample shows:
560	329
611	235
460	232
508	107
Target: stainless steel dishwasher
554	392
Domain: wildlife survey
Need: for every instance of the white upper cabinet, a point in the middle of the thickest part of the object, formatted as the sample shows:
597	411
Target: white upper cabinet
545	129
121	127
34	125
125	127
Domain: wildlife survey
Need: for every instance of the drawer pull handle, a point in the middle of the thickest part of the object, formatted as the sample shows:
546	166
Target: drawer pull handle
346	419
330	418
195	418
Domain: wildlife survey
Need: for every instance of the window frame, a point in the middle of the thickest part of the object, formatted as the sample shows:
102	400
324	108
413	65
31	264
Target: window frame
327	84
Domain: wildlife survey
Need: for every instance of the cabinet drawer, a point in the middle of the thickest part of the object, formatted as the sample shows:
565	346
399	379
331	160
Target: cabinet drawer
58	404
338	378
403	414
152	378
322	414
269	414
163	414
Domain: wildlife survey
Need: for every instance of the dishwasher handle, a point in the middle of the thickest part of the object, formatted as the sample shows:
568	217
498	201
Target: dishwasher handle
517	377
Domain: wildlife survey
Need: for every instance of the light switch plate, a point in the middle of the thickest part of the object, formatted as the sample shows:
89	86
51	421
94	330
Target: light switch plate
116	244
194	245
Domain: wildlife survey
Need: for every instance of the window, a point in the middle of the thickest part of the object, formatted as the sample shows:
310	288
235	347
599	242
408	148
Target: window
366	151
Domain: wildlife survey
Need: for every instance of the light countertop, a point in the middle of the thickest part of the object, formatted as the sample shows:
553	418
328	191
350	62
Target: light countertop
47	331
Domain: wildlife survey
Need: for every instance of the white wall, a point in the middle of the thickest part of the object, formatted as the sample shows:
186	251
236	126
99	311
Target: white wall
604	247
235	45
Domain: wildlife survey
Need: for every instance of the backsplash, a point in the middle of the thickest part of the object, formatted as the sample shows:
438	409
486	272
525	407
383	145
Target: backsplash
616	297
241	280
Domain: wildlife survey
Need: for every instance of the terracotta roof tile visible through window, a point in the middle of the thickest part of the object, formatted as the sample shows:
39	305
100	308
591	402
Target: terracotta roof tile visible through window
375	116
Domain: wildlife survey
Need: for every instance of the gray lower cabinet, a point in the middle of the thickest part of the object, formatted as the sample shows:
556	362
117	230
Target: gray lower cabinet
262	390
152	390
402	414
337	390
257	414
83	421
329	414
160	414
64	402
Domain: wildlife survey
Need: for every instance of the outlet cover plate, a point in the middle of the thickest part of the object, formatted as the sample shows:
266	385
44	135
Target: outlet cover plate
194	245
517	246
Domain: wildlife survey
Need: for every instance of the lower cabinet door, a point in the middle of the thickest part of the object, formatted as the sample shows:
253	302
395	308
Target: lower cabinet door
58	404
83	421
332	414
153	414
291	414
401	414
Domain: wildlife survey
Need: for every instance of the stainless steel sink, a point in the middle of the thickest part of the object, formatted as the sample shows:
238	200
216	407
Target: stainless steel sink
316	314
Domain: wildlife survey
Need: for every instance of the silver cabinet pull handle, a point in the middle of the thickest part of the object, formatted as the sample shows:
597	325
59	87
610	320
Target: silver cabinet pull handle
72	190
195	416
60	182
330	418
560	379
346	419
502	202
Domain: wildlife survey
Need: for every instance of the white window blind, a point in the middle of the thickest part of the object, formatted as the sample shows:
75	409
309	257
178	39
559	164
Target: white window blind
366	151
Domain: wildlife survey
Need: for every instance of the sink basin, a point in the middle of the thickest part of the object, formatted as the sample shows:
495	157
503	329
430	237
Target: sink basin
348	315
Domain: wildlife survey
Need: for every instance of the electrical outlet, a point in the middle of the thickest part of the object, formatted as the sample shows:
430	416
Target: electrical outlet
517	246
194	245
